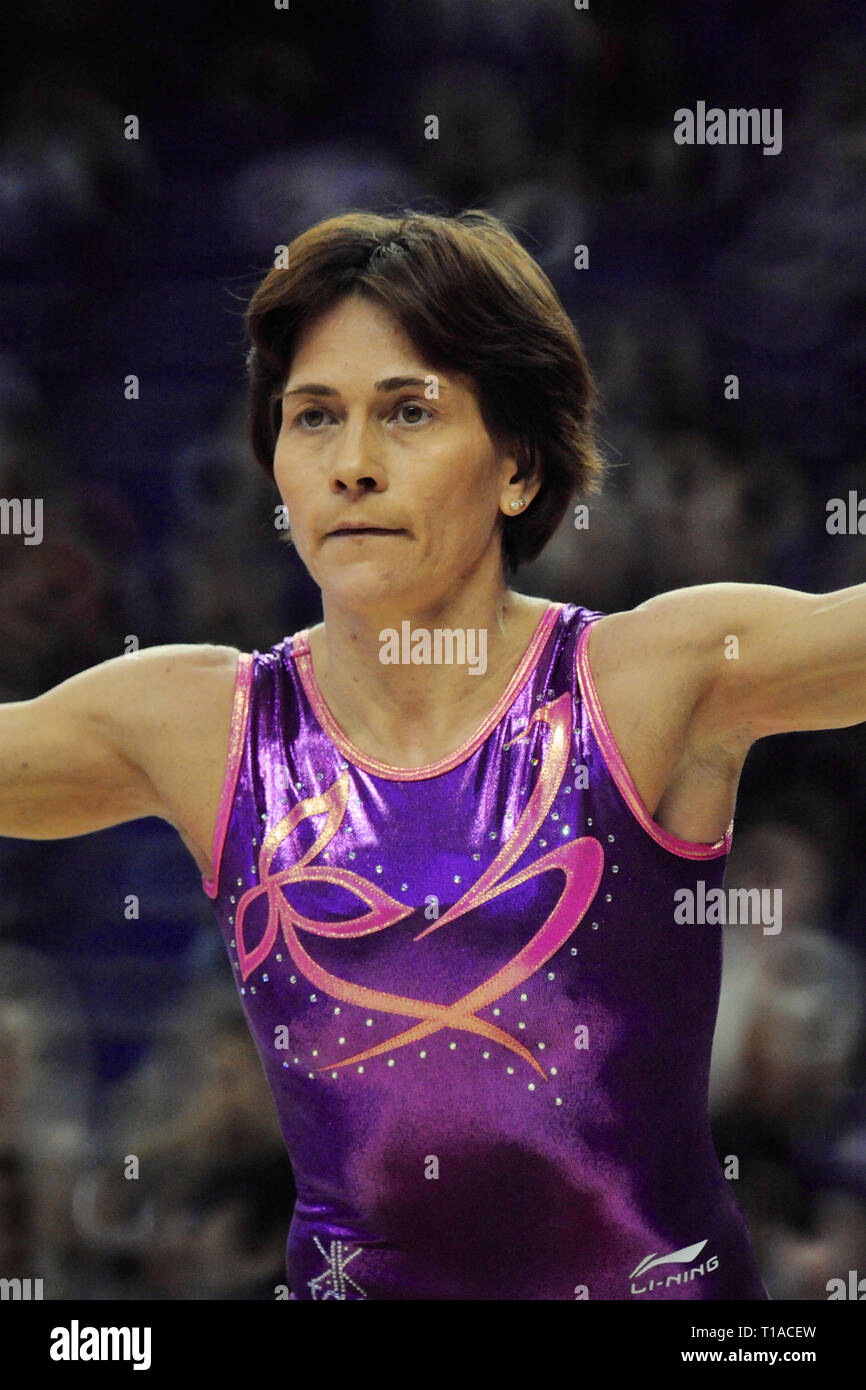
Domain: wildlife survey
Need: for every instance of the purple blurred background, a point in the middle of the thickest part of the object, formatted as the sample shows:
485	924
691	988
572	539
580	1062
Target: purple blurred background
137	256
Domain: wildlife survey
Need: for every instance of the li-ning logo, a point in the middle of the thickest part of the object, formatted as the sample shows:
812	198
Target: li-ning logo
684	1276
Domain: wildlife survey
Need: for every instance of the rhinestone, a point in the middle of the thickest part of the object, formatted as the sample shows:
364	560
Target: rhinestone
285	1064
344	763
523	998
403	887
341	1041
232	942
293	979
608	897
452	1046
493	834
568	791
589	820
252	989
457	878
337	1009
390	1061
574	950
543	844
255	841
422	1054
531	1086
595	926
351	854
360	1069
378	868
496	1013
610	839
485	1055
566	830
550	975
265	978
334	1074
554	815
240	885
553	1071
264	815
615	868
476	856
559	1100
369	1022
297	1059
279	957
320	775
541	1045
521	1025
534	762
232	900
510	1071
243	991
311	1075
315	1052
312	998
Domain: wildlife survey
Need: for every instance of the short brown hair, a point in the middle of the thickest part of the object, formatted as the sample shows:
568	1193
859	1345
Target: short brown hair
470	298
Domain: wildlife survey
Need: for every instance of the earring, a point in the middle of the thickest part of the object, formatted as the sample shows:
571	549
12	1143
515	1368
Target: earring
521	503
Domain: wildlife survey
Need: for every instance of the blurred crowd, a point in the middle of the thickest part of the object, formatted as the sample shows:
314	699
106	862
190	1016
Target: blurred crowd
119	257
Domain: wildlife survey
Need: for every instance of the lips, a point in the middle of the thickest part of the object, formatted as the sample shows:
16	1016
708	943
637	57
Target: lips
363	531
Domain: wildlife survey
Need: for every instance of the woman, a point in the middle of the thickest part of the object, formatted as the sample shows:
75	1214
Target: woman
443	829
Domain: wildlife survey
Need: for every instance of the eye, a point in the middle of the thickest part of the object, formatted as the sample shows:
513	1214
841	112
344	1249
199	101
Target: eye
310	410
413	405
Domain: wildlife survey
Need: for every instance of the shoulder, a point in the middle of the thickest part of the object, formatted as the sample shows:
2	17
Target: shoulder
154	699
679	629
656	657
659	662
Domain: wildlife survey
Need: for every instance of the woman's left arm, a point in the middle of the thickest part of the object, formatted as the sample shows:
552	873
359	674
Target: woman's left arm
766	660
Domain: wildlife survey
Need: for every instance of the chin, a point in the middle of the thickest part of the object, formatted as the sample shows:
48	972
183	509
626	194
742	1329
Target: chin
360	586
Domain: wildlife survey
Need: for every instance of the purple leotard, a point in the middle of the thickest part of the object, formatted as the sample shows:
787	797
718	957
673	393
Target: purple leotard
487	1038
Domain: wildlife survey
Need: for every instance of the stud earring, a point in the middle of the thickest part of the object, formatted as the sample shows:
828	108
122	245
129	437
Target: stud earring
521	503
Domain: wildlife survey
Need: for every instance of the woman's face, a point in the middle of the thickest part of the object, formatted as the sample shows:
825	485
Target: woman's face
357	446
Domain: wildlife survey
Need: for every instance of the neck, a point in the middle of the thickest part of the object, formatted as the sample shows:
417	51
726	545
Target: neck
390	685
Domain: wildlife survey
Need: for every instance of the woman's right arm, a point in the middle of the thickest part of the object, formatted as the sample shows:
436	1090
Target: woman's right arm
115	743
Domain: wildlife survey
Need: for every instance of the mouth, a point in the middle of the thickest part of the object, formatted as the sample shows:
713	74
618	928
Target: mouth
364	531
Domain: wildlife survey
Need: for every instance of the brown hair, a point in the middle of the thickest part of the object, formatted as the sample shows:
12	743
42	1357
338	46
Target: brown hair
471	299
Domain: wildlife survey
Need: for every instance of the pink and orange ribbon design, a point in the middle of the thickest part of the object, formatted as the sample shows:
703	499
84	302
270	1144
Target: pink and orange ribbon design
581	861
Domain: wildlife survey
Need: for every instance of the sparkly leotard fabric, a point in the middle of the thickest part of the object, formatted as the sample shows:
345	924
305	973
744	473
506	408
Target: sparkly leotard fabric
487	1039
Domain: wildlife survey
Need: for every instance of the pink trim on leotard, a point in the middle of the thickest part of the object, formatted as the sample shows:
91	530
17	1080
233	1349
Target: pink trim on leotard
237	738
303	658
686	849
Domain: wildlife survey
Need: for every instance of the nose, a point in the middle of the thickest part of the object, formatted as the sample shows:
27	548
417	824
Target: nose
355	466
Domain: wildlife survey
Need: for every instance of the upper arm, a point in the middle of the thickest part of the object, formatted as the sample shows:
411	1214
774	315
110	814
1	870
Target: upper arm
94	751
757	659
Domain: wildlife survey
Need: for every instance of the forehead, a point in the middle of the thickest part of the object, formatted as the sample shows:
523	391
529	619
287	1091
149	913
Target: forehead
358	336
353	323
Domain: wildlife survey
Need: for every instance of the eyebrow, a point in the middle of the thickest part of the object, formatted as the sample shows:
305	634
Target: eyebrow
391	383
